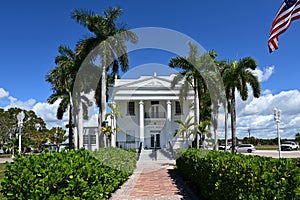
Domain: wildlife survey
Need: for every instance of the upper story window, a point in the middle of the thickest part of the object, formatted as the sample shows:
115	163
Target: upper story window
130	108
154	103
178	110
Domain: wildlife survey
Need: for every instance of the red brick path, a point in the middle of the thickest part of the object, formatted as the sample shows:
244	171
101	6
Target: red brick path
154	183
152	180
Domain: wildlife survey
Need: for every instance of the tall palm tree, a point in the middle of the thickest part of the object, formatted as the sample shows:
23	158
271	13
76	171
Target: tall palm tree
62	78
108	42
190	73
195	70
237	76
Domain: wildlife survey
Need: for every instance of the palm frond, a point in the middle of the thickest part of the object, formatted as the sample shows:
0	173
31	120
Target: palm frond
82	15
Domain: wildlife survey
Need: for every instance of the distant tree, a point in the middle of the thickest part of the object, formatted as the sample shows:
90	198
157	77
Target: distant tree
56	135
9	129
297	137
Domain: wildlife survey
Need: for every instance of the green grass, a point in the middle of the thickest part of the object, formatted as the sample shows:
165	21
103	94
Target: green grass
267	147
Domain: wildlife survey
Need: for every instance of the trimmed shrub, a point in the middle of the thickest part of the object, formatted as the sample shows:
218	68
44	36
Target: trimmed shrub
117	158
223	175
65	175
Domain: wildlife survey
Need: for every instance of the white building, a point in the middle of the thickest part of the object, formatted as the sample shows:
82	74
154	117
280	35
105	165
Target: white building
149	107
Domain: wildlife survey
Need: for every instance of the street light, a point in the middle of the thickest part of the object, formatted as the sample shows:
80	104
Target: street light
277	117
55	136
20	118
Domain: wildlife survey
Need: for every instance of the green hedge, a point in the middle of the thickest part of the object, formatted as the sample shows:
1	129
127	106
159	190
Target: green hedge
65	175
223	175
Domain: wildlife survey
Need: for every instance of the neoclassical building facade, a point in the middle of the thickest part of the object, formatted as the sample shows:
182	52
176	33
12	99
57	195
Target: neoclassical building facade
149	108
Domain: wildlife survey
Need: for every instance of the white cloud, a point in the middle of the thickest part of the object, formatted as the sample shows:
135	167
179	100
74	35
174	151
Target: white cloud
257	114
48	113
13	102
3	93
264	75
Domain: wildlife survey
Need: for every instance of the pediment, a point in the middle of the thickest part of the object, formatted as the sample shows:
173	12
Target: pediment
146	82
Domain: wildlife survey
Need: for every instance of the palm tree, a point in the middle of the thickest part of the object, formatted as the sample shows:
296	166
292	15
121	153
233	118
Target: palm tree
62	78
186	128
203	131
190	73
108	42
113	114
237	76
196	71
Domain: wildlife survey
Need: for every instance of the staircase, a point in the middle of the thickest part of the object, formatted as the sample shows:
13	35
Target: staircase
158	154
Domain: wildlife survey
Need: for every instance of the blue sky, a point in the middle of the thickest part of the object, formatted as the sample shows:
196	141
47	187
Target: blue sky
32	30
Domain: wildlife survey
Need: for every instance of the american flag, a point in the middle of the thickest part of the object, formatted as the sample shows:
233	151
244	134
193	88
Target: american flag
288	12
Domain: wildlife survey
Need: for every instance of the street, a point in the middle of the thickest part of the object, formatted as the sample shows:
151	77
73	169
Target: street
275	153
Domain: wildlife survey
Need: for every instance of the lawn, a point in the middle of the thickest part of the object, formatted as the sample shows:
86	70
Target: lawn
266	147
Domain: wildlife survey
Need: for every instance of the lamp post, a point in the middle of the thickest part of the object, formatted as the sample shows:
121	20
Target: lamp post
277	117
55	136
249	135
20	118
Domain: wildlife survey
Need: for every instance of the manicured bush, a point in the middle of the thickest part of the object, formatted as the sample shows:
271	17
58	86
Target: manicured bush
223	175
117	158
65	175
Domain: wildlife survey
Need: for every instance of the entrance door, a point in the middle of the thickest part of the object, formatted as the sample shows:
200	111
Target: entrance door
155	139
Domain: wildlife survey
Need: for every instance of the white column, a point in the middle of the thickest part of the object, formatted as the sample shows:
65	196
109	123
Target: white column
142	134
169	115
80	126
113	126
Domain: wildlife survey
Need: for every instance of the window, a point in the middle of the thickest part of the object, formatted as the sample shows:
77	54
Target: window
178	110
130	110
154	102
89	139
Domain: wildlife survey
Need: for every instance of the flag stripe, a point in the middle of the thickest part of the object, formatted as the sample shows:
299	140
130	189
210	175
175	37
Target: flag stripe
282	21
286	18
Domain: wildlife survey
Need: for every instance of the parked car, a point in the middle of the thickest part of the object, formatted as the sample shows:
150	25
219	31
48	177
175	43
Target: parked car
289	146
222	147
245	148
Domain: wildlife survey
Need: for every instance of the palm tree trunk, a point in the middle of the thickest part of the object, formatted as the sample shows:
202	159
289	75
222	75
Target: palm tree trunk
70	128
102	110
226	124
71	146
233	119
196	113
80	124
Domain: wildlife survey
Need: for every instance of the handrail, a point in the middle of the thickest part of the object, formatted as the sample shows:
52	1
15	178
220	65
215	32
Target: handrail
140	150
172	150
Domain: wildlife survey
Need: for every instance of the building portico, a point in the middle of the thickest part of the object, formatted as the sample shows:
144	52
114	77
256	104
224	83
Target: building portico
149	107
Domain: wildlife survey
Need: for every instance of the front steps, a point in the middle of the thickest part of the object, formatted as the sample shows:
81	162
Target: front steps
158	154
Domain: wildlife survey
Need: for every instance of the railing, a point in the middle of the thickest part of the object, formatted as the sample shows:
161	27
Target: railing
172	150
155	115
140	150
128	145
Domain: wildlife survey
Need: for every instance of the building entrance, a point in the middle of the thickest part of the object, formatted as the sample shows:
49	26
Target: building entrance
155	139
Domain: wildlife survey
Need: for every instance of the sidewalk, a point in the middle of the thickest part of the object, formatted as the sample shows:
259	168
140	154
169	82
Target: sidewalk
154	180
3	160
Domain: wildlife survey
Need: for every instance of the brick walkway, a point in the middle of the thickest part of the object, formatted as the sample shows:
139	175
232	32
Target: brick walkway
154	180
